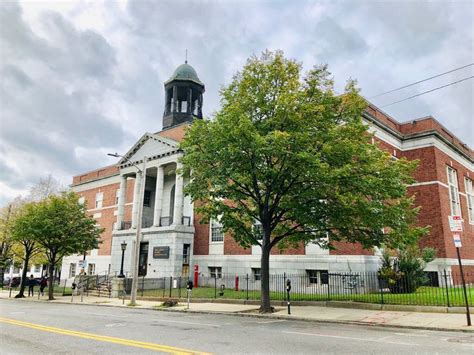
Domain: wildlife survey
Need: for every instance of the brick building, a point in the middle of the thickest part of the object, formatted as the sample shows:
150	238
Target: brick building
173	239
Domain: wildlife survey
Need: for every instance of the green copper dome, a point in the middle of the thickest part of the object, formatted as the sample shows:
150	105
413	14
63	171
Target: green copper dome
185	72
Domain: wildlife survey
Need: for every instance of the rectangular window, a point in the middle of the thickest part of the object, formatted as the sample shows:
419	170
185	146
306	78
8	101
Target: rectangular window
72	270
470	199
99	198
91	269
216	232
454	192
257	275
147	198
215	272
37	268
318	276
16	270
117	196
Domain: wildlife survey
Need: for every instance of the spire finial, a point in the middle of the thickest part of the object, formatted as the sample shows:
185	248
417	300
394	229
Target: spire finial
186	60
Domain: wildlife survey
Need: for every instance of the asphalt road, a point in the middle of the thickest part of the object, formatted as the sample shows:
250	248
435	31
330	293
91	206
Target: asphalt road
42	328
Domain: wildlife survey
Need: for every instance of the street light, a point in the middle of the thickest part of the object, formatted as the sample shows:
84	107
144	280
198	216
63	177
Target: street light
124	246
142	171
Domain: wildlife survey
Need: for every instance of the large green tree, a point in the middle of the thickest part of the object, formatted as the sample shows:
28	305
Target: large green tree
287	161
61	226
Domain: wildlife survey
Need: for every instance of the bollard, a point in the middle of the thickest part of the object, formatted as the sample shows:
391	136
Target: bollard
189	288
237	283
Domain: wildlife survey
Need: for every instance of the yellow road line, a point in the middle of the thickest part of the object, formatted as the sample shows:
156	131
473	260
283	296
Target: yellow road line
121	341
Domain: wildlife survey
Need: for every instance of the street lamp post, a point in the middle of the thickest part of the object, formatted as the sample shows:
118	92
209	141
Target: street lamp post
142	171
124	246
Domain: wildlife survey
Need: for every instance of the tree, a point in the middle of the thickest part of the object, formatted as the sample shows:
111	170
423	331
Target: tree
61	226
6	241
286	161
20	235
44	188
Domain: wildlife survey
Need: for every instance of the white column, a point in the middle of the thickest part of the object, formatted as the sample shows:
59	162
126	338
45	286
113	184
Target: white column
136	199
158	196
121	202
178	197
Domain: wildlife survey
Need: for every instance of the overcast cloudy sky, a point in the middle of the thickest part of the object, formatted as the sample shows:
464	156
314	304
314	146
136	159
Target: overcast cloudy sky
80	79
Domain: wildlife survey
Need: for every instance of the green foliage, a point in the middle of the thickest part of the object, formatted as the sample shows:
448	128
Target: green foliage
404	273
285	151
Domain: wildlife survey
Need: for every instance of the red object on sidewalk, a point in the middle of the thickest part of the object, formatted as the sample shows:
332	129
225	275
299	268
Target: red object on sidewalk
196	275
236	283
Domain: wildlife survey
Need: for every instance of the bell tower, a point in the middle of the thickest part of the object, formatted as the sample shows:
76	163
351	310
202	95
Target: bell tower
183	96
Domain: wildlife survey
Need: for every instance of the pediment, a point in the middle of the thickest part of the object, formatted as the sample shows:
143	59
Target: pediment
150	145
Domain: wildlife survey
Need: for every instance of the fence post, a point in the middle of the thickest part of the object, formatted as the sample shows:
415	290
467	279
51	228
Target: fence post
164	286
381	289
179	287
64	289
171	284
215	286
446	285
247	278
143	284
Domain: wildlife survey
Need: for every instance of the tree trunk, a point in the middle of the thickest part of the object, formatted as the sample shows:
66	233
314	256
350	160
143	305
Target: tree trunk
51	265
265	306
2	275
24	275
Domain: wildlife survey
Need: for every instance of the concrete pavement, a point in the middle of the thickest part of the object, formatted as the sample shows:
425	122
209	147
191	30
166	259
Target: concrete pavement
415	320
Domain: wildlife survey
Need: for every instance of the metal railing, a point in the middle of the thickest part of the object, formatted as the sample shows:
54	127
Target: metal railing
366	287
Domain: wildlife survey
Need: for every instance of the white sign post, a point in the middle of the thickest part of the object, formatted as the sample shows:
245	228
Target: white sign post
455	224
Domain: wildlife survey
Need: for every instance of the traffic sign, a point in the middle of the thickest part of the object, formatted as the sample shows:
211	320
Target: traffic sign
457	240
455	223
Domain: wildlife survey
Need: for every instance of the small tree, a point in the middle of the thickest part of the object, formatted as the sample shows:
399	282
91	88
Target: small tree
286	161
404	272
6	241
61	226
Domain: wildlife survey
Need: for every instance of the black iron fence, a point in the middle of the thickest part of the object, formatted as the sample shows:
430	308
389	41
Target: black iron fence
368	287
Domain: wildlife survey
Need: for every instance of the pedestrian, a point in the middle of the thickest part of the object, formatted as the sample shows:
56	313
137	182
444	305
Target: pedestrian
43	284
31	285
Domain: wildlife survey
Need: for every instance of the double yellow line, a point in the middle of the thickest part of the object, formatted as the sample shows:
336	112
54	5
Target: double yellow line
121	341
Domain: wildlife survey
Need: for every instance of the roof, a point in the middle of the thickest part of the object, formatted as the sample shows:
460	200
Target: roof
185	72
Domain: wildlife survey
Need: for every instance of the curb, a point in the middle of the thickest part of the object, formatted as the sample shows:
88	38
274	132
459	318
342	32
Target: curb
246	314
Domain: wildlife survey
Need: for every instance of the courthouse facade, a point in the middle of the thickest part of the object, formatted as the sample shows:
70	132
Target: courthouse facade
174	241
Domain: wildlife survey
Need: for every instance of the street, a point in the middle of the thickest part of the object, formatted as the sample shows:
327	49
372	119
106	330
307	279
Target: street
43	328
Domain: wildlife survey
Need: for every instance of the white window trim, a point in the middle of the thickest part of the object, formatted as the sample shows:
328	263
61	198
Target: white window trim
99	200
117	196
468	187
215	223
455	185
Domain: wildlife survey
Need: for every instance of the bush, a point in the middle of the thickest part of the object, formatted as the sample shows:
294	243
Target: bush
404	273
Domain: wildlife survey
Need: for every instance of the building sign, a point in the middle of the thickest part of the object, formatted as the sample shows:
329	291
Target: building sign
82	264
161	252
455	223
457	240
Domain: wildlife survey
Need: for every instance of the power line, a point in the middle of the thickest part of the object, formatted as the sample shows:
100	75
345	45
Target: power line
426	92
421	81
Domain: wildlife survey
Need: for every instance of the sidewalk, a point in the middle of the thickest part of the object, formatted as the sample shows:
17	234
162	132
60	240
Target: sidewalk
415	320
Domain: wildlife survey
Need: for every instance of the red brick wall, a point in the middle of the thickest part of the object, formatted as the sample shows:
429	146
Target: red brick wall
96	174
201	237
176	133
344	248
232	248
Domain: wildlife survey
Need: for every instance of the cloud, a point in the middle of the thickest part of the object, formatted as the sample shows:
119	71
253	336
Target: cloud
80	79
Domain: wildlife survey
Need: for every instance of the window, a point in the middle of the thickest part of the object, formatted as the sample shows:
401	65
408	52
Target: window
216	232
454	192
91	269
117	196
186	253
470	199
215	272
72	270
147	198
37	268
99	197
318	276
258	230
16	270
81	200
257	275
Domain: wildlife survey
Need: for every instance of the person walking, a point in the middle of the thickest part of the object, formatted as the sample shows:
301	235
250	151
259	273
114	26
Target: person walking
31	285
43	284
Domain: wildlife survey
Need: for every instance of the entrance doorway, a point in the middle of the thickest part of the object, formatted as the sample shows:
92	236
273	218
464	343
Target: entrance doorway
143	259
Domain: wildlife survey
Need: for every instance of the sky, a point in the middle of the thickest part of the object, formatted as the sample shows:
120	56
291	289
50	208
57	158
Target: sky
80	79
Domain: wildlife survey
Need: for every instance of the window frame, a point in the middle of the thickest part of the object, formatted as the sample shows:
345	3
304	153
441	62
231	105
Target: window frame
72	269
117	196
215	272
453	191
99	202
468	187
257	275
215	225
